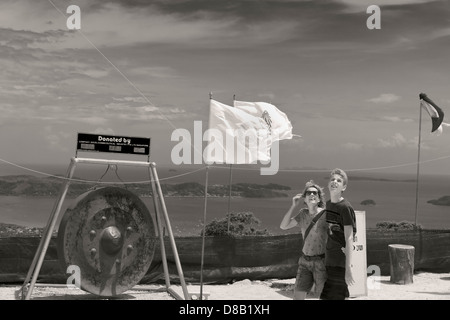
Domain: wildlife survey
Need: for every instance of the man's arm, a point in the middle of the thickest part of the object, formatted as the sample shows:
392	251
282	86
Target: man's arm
348	233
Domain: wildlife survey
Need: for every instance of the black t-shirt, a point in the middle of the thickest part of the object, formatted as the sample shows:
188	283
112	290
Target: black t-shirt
338	215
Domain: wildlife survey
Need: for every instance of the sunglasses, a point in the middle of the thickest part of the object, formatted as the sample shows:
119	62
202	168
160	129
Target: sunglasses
308	193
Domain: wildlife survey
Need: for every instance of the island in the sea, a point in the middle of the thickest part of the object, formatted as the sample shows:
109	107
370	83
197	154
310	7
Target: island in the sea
368	202
442	201
28	185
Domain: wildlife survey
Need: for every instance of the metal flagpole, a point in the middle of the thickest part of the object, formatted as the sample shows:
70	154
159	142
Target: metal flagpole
203	235
418	163
229	199
230	186
204	225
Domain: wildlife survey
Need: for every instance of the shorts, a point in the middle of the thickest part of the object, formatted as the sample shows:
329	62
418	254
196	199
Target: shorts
309	273
335	287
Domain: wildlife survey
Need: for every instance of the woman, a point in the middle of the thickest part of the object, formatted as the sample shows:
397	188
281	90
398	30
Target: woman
311	265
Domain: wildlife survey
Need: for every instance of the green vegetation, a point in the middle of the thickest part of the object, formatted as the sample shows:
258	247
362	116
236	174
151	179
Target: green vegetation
26	185
395	226
241	224
13	230
252	190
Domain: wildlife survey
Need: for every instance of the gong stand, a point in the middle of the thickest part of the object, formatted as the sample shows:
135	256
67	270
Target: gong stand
106	248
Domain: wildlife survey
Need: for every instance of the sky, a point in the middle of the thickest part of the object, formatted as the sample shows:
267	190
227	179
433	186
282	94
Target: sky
146	68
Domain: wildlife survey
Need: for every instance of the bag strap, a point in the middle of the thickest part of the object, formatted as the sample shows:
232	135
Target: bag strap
313	222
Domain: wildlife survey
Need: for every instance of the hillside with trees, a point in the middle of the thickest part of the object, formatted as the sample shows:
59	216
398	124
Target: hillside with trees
32	186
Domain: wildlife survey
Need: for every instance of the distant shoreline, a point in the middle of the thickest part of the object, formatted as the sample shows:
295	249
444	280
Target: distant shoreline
28	185
379	179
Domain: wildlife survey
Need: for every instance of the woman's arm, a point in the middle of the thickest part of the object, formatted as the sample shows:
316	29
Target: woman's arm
289	220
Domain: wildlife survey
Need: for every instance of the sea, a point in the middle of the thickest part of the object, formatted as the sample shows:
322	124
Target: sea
394	195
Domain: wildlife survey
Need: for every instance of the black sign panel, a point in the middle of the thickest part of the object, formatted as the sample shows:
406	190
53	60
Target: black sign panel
116	144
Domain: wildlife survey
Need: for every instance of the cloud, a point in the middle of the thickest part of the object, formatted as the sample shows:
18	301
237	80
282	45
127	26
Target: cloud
208	24
131	109
175	52
353	146
397	141
361	5
194	23
155	72
131	99
385	98
91	120
268	95
94	73
108	24
103	131
56	140
396	119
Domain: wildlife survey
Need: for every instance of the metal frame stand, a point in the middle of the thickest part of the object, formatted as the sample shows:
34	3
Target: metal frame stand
27	287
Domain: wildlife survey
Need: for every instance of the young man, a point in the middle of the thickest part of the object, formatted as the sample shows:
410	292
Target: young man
311	265
342	228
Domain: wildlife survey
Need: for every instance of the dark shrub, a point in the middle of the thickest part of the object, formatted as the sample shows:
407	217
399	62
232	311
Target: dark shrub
394	226
241	224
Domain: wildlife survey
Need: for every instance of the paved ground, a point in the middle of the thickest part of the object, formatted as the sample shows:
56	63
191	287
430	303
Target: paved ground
241	290
426	286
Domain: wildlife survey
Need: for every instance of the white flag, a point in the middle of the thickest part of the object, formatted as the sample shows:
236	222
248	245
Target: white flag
235	137
280	126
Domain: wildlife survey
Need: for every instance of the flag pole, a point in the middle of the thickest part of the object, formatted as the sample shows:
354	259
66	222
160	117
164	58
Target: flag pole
230	186
418	163
204	225
229	199
203	235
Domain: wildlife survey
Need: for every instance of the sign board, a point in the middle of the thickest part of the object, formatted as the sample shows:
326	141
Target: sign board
116	144
359	257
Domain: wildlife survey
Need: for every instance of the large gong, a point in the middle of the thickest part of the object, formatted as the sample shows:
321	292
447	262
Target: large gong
110	235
